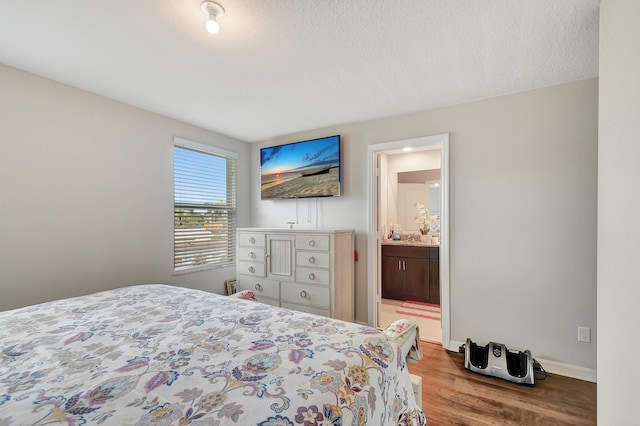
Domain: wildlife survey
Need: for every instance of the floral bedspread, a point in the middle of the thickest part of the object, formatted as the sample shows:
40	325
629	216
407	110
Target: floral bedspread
163	355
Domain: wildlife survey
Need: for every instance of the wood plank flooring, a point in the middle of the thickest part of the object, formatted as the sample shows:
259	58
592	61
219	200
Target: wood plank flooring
452	395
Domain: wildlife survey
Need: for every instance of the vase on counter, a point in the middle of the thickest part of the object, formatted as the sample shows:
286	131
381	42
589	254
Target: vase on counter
425	238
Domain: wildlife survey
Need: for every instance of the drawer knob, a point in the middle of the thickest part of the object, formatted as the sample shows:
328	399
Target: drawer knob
303	294
312	243
312	276
312	259
252	240
252	255
252	269
258	287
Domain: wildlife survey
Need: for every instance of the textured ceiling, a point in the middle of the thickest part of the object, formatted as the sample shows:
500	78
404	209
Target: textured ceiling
283	66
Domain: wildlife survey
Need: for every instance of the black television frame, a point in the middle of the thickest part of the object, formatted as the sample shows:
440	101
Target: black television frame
306	145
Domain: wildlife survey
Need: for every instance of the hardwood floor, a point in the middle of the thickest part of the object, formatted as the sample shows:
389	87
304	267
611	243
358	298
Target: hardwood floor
452	395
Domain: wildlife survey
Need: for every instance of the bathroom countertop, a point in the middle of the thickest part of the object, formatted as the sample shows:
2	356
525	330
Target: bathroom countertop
408	243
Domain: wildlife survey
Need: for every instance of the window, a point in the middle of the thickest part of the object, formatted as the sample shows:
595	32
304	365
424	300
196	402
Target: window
204	206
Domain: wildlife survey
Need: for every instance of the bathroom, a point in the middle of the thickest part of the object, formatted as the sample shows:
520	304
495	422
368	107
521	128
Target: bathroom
409	208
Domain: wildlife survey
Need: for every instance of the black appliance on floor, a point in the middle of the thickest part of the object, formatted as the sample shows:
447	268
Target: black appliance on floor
496	360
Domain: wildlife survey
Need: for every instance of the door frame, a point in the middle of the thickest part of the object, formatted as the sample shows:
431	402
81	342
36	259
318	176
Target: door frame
374	234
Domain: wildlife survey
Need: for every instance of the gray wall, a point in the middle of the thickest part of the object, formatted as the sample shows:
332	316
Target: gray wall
87	204
618	207
523	177
87	193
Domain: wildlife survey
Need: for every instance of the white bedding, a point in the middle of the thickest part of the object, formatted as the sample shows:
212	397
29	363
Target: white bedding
162	355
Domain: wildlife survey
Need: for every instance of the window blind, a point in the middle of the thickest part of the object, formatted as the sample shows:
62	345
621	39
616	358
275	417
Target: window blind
204	207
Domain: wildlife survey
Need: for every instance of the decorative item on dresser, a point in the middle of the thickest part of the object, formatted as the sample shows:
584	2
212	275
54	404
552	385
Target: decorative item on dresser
301	269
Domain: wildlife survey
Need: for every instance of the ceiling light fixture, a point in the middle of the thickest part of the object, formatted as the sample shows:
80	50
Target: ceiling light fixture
213	11
407	149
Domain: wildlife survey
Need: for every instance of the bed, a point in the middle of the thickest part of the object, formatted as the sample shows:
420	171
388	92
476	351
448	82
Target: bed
163	355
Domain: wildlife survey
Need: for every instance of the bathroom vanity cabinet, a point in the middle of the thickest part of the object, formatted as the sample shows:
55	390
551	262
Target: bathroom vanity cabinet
411	272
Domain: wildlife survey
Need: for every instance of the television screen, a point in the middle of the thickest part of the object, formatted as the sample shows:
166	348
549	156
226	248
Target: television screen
301	169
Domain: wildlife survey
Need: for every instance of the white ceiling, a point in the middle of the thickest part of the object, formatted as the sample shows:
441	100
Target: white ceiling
283	66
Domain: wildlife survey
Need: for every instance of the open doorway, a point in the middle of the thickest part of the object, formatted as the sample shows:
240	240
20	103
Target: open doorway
409	218
409	275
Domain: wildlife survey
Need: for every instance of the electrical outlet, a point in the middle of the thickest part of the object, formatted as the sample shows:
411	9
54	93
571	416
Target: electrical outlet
584	334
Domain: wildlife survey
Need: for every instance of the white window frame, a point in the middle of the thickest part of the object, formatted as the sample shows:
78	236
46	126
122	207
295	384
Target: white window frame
229	210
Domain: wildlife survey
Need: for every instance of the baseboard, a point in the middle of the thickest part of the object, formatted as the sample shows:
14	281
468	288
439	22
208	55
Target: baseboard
453	346
569	370
553	367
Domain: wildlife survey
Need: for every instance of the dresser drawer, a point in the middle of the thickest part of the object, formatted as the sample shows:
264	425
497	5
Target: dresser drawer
306	295
313	276
251	239
312	242
251	268
252	254
261	287
307	309
313	258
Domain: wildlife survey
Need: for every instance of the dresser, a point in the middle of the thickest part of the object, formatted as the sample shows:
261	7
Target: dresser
301	269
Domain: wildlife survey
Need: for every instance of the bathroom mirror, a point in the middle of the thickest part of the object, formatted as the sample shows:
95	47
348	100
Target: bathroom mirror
407	178
421	186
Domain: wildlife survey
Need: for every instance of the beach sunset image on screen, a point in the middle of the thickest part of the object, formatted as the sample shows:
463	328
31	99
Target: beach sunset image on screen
301	169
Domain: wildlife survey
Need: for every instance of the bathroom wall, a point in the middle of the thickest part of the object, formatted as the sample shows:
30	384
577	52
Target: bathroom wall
401	198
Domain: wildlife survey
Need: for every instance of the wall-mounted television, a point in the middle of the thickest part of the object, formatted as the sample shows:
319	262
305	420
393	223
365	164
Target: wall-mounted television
302	169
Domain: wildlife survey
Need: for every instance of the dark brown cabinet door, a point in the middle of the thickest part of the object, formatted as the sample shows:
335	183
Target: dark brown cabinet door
416	279
392	278
411	273
434	281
